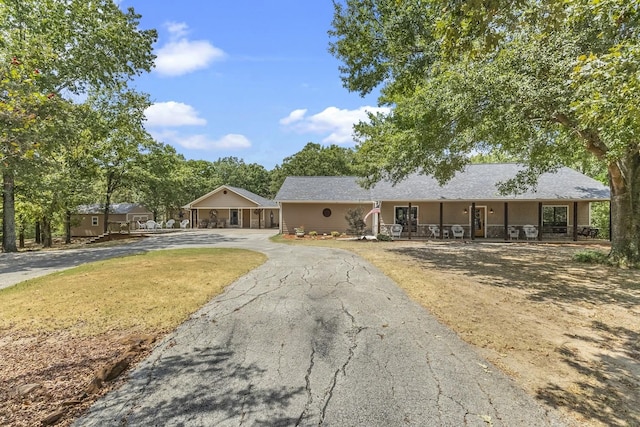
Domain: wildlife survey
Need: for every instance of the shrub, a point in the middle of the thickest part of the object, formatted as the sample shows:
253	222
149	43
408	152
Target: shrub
335	234
355	222
313	233
591	257
384	237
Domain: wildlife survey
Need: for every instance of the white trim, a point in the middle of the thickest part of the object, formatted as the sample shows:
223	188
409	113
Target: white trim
95	221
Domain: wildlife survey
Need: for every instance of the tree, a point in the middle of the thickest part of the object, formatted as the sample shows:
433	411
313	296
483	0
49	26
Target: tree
539	80
314	160
71	46
121	140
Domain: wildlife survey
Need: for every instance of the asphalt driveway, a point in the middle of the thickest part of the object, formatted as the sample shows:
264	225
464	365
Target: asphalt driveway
313	337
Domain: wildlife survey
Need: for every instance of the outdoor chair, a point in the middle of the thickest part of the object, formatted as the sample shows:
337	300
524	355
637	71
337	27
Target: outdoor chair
530	231
435	231
159	225
396	230
141	225
151	225
170	223
184	223
458	231
514	232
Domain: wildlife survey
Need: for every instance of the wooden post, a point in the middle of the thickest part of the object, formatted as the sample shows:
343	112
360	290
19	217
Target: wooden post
540	221
575	221
473	221
506	221
441	224
410	222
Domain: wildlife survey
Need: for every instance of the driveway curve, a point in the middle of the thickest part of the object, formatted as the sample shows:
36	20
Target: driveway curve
313	337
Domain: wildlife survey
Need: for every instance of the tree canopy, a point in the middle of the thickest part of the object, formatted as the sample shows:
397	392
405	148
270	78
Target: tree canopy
536	80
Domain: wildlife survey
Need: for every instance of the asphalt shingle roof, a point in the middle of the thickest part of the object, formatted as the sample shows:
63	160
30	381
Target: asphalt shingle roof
477	182
261	201
114	208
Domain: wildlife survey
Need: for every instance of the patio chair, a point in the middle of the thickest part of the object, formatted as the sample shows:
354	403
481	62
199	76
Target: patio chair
435	231
170	223
458	231
159	225
530	231
184	223
141	225
150	225
514	232
396	230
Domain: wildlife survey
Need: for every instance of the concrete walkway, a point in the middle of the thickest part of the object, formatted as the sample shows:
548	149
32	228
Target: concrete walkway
313	337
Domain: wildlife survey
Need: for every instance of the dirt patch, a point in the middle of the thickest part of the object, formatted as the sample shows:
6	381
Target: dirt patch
50	378
566	331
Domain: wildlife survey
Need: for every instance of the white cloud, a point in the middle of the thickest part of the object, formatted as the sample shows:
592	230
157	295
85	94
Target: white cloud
171	114
181	56
231	141
336	123
294	116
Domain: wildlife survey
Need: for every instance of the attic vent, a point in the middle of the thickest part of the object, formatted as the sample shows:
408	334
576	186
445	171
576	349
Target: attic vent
326	212
224	191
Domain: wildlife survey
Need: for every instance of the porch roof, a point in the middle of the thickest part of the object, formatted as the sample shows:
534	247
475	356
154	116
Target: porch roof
259	201
477	182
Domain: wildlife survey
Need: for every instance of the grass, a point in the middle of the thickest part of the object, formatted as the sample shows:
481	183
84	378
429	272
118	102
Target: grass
592	257
155	291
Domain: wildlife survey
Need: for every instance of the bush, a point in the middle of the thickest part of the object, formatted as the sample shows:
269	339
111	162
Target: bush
335	234
355	221
313	233
591	257
384	237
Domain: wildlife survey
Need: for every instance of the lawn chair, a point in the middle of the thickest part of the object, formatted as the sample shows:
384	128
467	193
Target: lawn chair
159	225
435	231
150	225
514	232
184	223
458	231
530	231
170	223
396	230
141	225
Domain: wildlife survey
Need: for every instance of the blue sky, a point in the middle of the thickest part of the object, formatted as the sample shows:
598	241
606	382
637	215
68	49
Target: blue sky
247	78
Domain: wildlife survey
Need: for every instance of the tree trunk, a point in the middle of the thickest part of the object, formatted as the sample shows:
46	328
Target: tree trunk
107	203
38	236
8	213
67	226
625	210
21	238
47	240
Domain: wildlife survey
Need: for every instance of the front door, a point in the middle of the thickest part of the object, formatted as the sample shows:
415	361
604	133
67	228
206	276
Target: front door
234	217
479	221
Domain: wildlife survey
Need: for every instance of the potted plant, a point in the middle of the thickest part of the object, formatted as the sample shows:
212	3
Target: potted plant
299	231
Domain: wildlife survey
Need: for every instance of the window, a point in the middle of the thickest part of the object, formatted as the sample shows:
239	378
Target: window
326	212
555	216
94	221
402	217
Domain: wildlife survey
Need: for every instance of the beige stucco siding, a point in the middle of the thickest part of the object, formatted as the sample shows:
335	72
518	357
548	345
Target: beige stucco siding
221	200
82	226
309	216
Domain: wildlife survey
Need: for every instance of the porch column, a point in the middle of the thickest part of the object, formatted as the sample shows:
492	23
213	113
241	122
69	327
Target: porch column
473	221
506	221
540	221
441	224
575	221
410	222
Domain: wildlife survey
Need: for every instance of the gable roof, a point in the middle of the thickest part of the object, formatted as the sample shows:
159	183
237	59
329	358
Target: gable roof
114	208
476	182
252	197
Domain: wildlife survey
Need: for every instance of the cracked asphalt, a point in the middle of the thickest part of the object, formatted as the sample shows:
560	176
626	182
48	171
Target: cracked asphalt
313	337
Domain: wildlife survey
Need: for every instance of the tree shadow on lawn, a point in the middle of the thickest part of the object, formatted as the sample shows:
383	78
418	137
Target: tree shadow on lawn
206	386
610	367
546	272
613	393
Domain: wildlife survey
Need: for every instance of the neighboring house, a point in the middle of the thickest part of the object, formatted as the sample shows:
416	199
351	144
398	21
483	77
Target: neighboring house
235	207
88	220
559	206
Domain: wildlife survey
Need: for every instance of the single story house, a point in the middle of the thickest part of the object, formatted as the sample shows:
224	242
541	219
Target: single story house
558	206
228	206
88	220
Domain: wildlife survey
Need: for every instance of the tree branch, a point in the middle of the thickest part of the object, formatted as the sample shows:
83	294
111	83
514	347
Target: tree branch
593	142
